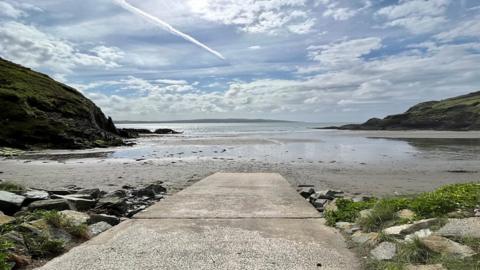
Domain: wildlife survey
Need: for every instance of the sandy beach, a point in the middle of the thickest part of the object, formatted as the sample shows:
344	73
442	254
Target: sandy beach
346	160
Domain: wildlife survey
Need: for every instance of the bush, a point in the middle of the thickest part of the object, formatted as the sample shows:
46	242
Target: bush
447	199
384	213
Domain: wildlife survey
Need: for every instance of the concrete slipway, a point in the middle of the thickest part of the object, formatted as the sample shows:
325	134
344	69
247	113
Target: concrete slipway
225	221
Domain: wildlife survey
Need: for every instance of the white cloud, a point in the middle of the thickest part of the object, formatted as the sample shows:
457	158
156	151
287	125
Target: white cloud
27	45
8	10
252	16
345	53
417	16
470	28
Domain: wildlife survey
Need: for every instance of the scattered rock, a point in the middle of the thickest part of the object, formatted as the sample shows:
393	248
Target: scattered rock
425	267
406	214
112	220
93	192
365	238
418	234
306	192
320	203
384	251
446	246
4	219
112	205
467	227
410	228
360	199
77	218
150	190
51	204
10	202
98	228
79	203
35	195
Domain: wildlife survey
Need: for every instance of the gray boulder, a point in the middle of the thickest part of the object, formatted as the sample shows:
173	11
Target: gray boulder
98	228
306	192
79	203
112	220
467	227
35	195
384	251
93	192
365	238
10	202
410	228
77	218
150	190
446	246
112	205
52	204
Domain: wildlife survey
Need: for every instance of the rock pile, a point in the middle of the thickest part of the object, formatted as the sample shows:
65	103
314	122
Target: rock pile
324	199
38	224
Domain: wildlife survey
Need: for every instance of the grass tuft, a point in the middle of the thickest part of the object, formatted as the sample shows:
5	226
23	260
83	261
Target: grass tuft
11	187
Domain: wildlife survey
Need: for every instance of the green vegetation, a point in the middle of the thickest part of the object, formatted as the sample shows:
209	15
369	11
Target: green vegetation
40	112
5	246
59	220
347	211
437	203
458	113
11	187
42	246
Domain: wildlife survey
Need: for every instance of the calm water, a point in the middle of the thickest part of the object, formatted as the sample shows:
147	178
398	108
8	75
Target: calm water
290	142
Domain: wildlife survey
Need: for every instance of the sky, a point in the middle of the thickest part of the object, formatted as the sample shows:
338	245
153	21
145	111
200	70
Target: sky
307	60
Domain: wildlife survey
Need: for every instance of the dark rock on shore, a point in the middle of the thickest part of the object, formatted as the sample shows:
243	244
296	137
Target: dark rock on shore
136	132
166	131
458	113
38	112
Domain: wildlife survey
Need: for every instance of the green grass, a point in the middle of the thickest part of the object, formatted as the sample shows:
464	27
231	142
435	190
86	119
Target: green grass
5	246
348	211
61	221
437	203
11	187
42	246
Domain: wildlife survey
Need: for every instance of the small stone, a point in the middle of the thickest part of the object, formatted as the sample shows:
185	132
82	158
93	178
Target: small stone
112	220
406	214
52	204
4	219
446	246
360	199
77	218
10	202
418	234
320	203
98	228
467	227
306	192
365	238
384	251
425	267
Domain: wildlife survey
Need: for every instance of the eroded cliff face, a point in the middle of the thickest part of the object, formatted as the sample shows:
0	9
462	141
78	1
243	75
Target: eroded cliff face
38	112
458	113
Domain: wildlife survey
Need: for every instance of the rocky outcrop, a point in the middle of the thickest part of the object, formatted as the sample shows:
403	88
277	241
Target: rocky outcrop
458	113
38	112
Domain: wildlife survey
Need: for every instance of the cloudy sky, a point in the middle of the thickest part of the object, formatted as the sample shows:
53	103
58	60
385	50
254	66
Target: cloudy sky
312	60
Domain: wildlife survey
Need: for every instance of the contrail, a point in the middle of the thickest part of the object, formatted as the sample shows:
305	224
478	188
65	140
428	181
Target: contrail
166	26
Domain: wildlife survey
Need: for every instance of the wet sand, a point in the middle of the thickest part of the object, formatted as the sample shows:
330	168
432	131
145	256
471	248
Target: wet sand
421	165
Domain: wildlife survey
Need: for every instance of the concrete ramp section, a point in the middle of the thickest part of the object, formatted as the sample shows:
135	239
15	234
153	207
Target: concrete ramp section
233	195
226	221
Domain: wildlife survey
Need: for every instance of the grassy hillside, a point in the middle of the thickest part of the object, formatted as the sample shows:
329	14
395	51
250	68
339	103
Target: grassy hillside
458	113
40	112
